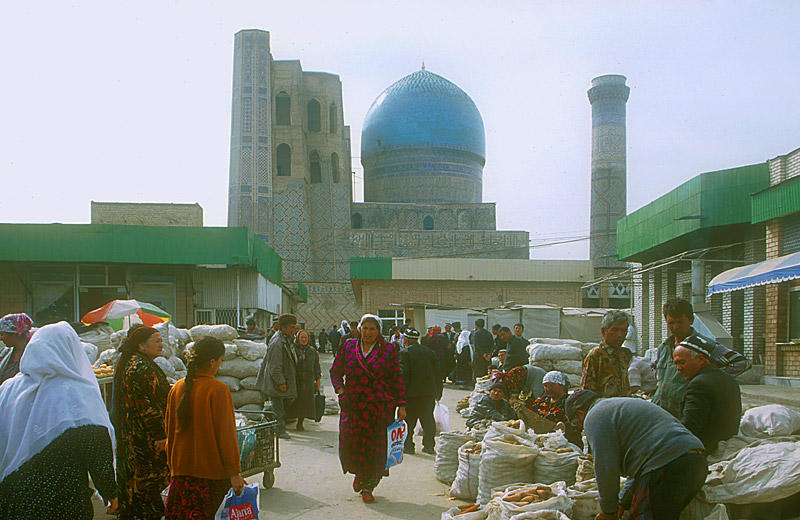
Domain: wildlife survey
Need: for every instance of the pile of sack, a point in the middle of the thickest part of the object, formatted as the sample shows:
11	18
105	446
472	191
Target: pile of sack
564	355
170	362
240	364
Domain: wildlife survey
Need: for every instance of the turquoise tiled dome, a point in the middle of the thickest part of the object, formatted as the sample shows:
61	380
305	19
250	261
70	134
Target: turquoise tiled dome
423	109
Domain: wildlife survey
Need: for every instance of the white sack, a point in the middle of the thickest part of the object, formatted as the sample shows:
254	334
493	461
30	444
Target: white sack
503	463
243	397
177	364
453	514
91	351
557	341
99	335
575	380
231	351
257	417
772	420
501	509
166	367
568	366
551	466
540	352
108	357
251	350
541	515
465	485
117	338
221	332
231	382
445	464
249	383
585	500
759	473
239	368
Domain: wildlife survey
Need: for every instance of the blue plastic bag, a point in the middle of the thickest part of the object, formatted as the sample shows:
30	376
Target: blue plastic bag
395	440
242	507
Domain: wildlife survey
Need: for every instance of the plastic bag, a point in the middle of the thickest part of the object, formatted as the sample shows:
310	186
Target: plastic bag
395	440
241	507
441	415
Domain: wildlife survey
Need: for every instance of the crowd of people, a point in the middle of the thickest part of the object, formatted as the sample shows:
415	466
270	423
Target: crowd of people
155	431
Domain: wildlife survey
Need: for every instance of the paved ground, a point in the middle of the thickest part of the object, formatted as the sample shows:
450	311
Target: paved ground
758	395
310	483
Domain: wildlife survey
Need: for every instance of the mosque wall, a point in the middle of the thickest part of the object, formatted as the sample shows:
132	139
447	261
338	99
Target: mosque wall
445	217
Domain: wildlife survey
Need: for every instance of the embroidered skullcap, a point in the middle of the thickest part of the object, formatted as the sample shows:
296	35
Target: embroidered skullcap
699	344
411	333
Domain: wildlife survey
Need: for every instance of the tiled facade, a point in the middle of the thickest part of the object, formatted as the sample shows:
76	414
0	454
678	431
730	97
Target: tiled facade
147	214
290	182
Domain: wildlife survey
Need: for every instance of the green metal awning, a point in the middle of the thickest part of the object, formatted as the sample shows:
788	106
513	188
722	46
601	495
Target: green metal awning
775	201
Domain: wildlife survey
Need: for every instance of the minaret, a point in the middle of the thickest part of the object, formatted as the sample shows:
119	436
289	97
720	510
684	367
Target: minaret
250	184
607	96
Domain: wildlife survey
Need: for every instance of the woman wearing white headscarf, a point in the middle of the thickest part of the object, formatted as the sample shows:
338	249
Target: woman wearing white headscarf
366	375
463	359
54	431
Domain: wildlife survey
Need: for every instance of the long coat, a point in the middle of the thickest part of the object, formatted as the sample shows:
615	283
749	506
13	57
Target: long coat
279	367
373	388
308	371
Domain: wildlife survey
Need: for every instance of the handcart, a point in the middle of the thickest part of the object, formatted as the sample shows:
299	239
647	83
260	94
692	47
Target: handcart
258	446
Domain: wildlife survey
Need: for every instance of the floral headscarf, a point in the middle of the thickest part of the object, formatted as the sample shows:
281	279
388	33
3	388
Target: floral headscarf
19	324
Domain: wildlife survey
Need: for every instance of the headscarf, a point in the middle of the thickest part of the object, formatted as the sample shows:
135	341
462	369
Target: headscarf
55	390
554	376
364	317
463	341
344	328
19	324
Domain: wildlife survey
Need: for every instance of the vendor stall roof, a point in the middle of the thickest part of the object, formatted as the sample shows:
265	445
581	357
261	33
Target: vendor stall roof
776	270
171	245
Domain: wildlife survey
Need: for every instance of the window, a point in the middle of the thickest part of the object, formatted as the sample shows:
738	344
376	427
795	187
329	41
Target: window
284	160
356	221
391	318
332	118
427	223
162	295
314	117
53	302
335	167
794	313
315	168
283	105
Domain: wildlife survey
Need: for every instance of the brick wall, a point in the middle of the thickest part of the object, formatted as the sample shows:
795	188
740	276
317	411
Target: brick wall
788	361
147	214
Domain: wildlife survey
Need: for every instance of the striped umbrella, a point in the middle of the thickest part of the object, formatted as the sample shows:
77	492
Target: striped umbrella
121	311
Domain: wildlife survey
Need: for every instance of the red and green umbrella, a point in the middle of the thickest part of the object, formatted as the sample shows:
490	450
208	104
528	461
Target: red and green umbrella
118	313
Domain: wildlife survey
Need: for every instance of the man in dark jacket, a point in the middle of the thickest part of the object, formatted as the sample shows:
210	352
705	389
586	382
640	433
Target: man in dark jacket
423	387
482	344
277	376
323	339
438	343
333	339
516	350
713	403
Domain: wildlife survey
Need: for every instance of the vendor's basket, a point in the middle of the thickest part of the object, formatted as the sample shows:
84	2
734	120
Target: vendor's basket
258	446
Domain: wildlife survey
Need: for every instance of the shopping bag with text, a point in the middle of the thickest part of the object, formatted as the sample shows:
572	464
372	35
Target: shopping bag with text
395	440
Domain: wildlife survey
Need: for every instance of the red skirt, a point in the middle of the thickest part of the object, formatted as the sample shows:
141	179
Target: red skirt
192	498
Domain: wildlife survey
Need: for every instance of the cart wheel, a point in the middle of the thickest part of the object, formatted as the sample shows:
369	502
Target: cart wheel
268	480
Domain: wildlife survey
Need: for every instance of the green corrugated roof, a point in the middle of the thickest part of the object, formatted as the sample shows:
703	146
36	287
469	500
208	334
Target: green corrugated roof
378	268
138	245
776	201
710	200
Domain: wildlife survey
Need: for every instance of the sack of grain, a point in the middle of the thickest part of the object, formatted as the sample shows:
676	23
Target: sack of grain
221	332
585	469
546	514
456	513
166	367
99	335
244	397
585	500
505	460
239	368
251	350
465	484
231	351
249	383
231	382
445	465
540	352
108	357
568	366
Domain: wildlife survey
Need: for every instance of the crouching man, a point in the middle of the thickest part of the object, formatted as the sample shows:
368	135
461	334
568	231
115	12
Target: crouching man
663	461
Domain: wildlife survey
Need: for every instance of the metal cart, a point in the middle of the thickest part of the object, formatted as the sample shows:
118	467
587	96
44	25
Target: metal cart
258	446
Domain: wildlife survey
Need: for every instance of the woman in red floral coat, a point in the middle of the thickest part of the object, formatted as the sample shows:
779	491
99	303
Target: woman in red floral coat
366	376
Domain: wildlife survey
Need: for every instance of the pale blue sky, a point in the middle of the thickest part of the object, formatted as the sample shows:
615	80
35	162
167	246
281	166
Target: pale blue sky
110	102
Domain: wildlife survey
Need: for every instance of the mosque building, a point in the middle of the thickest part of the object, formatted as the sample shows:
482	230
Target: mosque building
423	152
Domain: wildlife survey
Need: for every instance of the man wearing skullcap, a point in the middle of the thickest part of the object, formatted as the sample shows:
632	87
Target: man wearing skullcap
712	407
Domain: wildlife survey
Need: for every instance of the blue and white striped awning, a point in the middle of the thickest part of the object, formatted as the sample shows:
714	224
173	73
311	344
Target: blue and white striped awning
777	270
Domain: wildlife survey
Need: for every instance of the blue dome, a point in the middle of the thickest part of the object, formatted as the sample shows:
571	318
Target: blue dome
424	109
